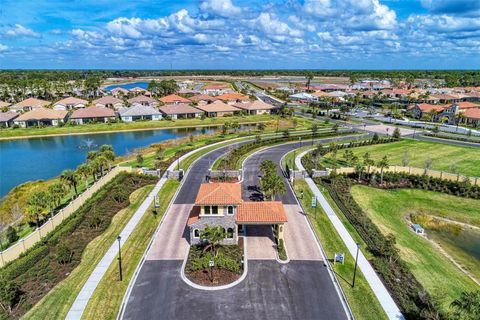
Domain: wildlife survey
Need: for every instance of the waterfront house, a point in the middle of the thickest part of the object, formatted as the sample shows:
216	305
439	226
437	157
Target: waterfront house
41	117
233	97
6	118
144	101
174	99
29	104
138	90
256	107
203	99
70	103
180	111
139	112
109	102
218	109
119	92
216	89
221	204
92	114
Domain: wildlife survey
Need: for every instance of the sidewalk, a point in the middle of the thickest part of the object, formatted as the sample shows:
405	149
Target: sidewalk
383	296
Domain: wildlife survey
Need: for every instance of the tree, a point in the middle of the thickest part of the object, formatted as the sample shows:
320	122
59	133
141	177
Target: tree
10	295
140	159
235	126
405	158
359	168
286	133
309	77
70	177
37	204
467	306
382	164
261	126
314	129
11	235
159	153
57	192
375	137
427	165
335	127
84	170
396	134
367	161
271	183
214	235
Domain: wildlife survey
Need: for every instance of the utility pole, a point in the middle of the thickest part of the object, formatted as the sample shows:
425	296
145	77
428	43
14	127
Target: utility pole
119	238
356	262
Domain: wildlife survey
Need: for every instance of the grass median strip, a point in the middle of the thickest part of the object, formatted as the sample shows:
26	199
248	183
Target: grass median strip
106	300
361	298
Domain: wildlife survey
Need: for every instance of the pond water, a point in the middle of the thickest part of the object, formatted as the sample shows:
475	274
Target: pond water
466	240
128	86
43	158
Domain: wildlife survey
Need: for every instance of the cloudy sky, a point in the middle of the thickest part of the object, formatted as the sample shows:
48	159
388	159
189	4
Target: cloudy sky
234	34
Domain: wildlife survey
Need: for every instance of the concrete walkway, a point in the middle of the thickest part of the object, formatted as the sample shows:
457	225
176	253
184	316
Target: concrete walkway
383	296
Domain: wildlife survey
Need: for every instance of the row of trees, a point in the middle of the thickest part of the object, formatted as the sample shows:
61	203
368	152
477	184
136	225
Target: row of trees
271	183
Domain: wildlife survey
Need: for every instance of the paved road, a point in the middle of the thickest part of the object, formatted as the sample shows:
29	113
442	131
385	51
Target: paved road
268	292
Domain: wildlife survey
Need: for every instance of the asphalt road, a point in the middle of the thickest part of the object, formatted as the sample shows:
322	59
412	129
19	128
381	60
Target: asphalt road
297	290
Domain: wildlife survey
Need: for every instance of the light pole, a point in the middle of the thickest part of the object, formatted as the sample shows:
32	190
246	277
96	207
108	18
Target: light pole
119	238
356	262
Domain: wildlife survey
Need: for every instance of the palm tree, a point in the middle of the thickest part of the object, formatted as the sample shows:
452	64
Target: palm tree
467	306
214	235
309	77
57	192
367	161
261	126
84	170
382	164
91	155
70	177
36	206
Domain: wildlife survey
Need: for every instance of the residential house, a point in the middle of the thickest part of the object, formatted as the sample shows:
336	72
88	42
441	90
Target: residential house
426	110
256	107
70	103
180	111
92	114
41	117
472	117
4	104
139	112
138	90
451	113
144	101
218	109
174	99
6	118
119	92
303	97
109	102
216	89
203	99
233	97
221	204
29	104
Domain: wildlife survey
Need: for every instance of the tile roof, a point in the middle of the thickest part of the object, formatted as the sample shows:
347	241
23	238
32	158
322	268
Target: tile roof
217	106
119	89
92	112
41	114
472	114
219	194
203	97
32	102
255	105
138	110
232	96
180	108
174	98
194	216
107	100
141	99
466	105
7	116
426	107
4	104
261	212
71	101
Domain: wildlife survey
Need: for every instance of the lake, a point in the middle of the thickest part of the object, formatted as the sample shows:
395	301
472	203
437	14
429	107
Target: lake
128	86
44	158
467	240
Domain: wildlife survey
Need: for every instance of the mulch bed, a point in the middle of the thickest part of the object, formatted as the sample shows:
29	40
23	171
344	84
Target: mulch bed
226	180
220	277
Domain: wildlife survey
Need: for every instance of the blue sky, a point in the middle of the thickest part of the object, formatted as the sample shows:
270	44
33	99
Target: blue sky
231	34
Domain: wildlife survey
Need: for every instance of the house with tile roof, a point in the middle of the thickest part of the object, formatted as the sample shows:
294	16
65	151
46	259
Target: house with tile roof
4	104
221	204
41	117
472	117
70	103
6	118
144	101
203	99
119	92
426	110
92	115
174	99
139	112
109	102
218	109
256	107
233	97
29	104
180	111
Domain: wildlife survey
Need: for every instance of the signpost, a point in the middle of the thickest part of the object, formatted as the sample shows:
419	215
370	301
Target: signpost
339	257
211	264
314	205
157	202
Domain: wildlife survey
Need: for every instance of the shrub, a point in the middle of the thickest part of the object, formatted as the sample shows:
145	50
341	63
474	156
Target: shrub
64	254
11	235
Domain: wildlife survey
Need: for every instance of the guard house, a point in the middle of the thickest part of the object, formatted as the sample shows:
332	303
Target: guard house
221	204
418	229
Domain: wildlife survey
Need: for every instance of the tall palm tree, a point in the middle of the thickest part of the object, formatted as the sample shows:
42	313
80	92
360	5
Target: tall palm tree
382	164
84	170
70	177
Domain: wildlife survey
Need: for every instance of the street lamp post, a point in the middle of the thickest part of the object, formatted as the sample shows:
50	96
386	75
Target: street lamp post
356	262
119	238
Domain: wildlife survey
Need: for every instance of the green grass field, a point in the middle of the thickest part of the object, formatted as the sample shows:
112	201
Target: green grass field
107	297
388	209
467	159
361	299
57	302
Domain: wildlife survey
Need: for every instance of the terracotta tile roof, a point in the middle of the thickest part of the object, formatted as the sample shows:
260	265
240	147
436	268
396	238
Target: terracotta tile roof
32	102
194	216
71	101
42	113
217	106
261	212
174	98
426	107
467	105
119	89
219	194
4	104
138	110
107	100
203	97
215	86
7	116
255	105
92	112
180	108
472	114
442	96
141	99
232	96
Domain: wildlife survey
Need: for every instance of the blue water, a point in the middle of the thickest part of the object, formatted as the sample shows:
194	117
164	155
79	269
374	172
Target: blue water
128	86
43	158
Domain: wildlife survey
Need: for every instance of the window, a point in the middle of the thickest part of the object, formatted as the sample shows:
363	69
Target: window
230	210
214	209
196	233
230	233
207	209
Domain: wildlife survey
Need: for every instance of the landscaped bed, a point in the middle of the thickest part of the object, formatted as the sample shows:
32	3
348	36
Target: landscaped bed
228	266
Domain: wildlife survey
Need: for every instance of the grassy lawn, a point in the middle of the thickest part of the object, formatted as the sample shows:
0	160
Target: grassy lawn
388	208
289	158
57	302
107	297
361	299
467	159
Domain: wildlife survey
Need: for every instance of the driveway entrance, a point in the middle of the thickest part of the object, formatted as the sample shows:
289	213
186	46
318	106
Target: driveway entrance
260	242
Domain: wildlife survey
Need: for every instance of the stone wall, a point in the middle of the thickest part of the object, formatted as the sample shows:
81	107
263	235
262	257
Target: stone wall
224	221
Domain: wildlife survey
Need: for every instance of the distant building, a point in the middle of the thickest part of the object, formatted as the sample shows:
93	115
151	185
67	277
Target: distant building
139	112
109	102
6	118
180	111
41	117
218	109
203	99
472	117
426	110
29	104
233	97
119	92
303	97
174	99
70	103
92	114
144	101
256	107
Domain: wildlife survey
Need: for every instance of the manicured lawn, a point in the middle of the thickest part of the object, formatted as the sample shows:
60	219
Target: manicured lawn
289	158
107	297
388	209
467	159
57	302
361	299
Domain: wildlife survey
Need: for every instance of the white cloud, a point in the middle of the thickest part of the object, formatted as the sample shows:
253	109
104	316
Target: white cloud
3	47
223	8
21	31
